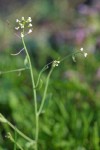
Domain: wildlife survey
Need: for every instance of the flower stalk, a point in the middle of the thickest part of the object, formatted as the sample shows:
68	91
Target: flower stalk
34	92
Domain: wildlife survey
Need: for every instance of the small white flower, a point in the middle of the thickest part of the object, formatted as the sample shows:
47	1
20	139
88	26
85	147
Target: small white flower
16	28
17	20
30	31
23	18
81	49
22	35
85	54
30	25
22	26
29	19
55	63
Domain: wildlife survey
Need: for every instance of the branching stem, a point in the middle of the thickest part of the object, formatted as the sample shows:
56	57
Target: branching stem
34	93
45	91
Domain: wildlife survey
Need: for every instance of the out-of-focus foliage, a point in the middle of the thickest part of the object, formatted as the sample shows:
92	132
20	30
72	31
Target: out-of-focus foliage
72	110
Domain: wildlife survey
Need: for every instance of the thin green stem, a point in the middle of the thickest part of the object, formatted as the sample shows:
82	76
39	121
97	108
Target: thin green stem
42	104
34	93
15	70
45	91
43	69
72	54
37	131
4	120
15	141
19	132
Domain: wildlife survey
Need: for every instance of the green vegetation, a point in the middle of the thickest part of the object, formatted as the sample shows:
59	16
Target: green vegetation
70	119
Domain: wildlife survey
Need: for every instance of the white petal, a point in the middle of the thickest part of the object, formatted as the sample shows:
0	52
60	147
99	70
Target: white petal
17	20
85	54
29	19
23	18
30	25
16	28
30	31
81	49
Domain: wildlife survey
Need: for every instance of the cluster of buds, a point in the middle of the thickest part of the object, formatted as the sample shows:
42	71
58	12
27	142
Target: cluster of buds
56	63
24	24
85	54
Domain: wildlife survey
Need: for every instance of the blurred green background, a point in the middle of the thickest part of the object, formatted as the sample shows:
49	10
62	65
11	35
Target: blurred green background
72	110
